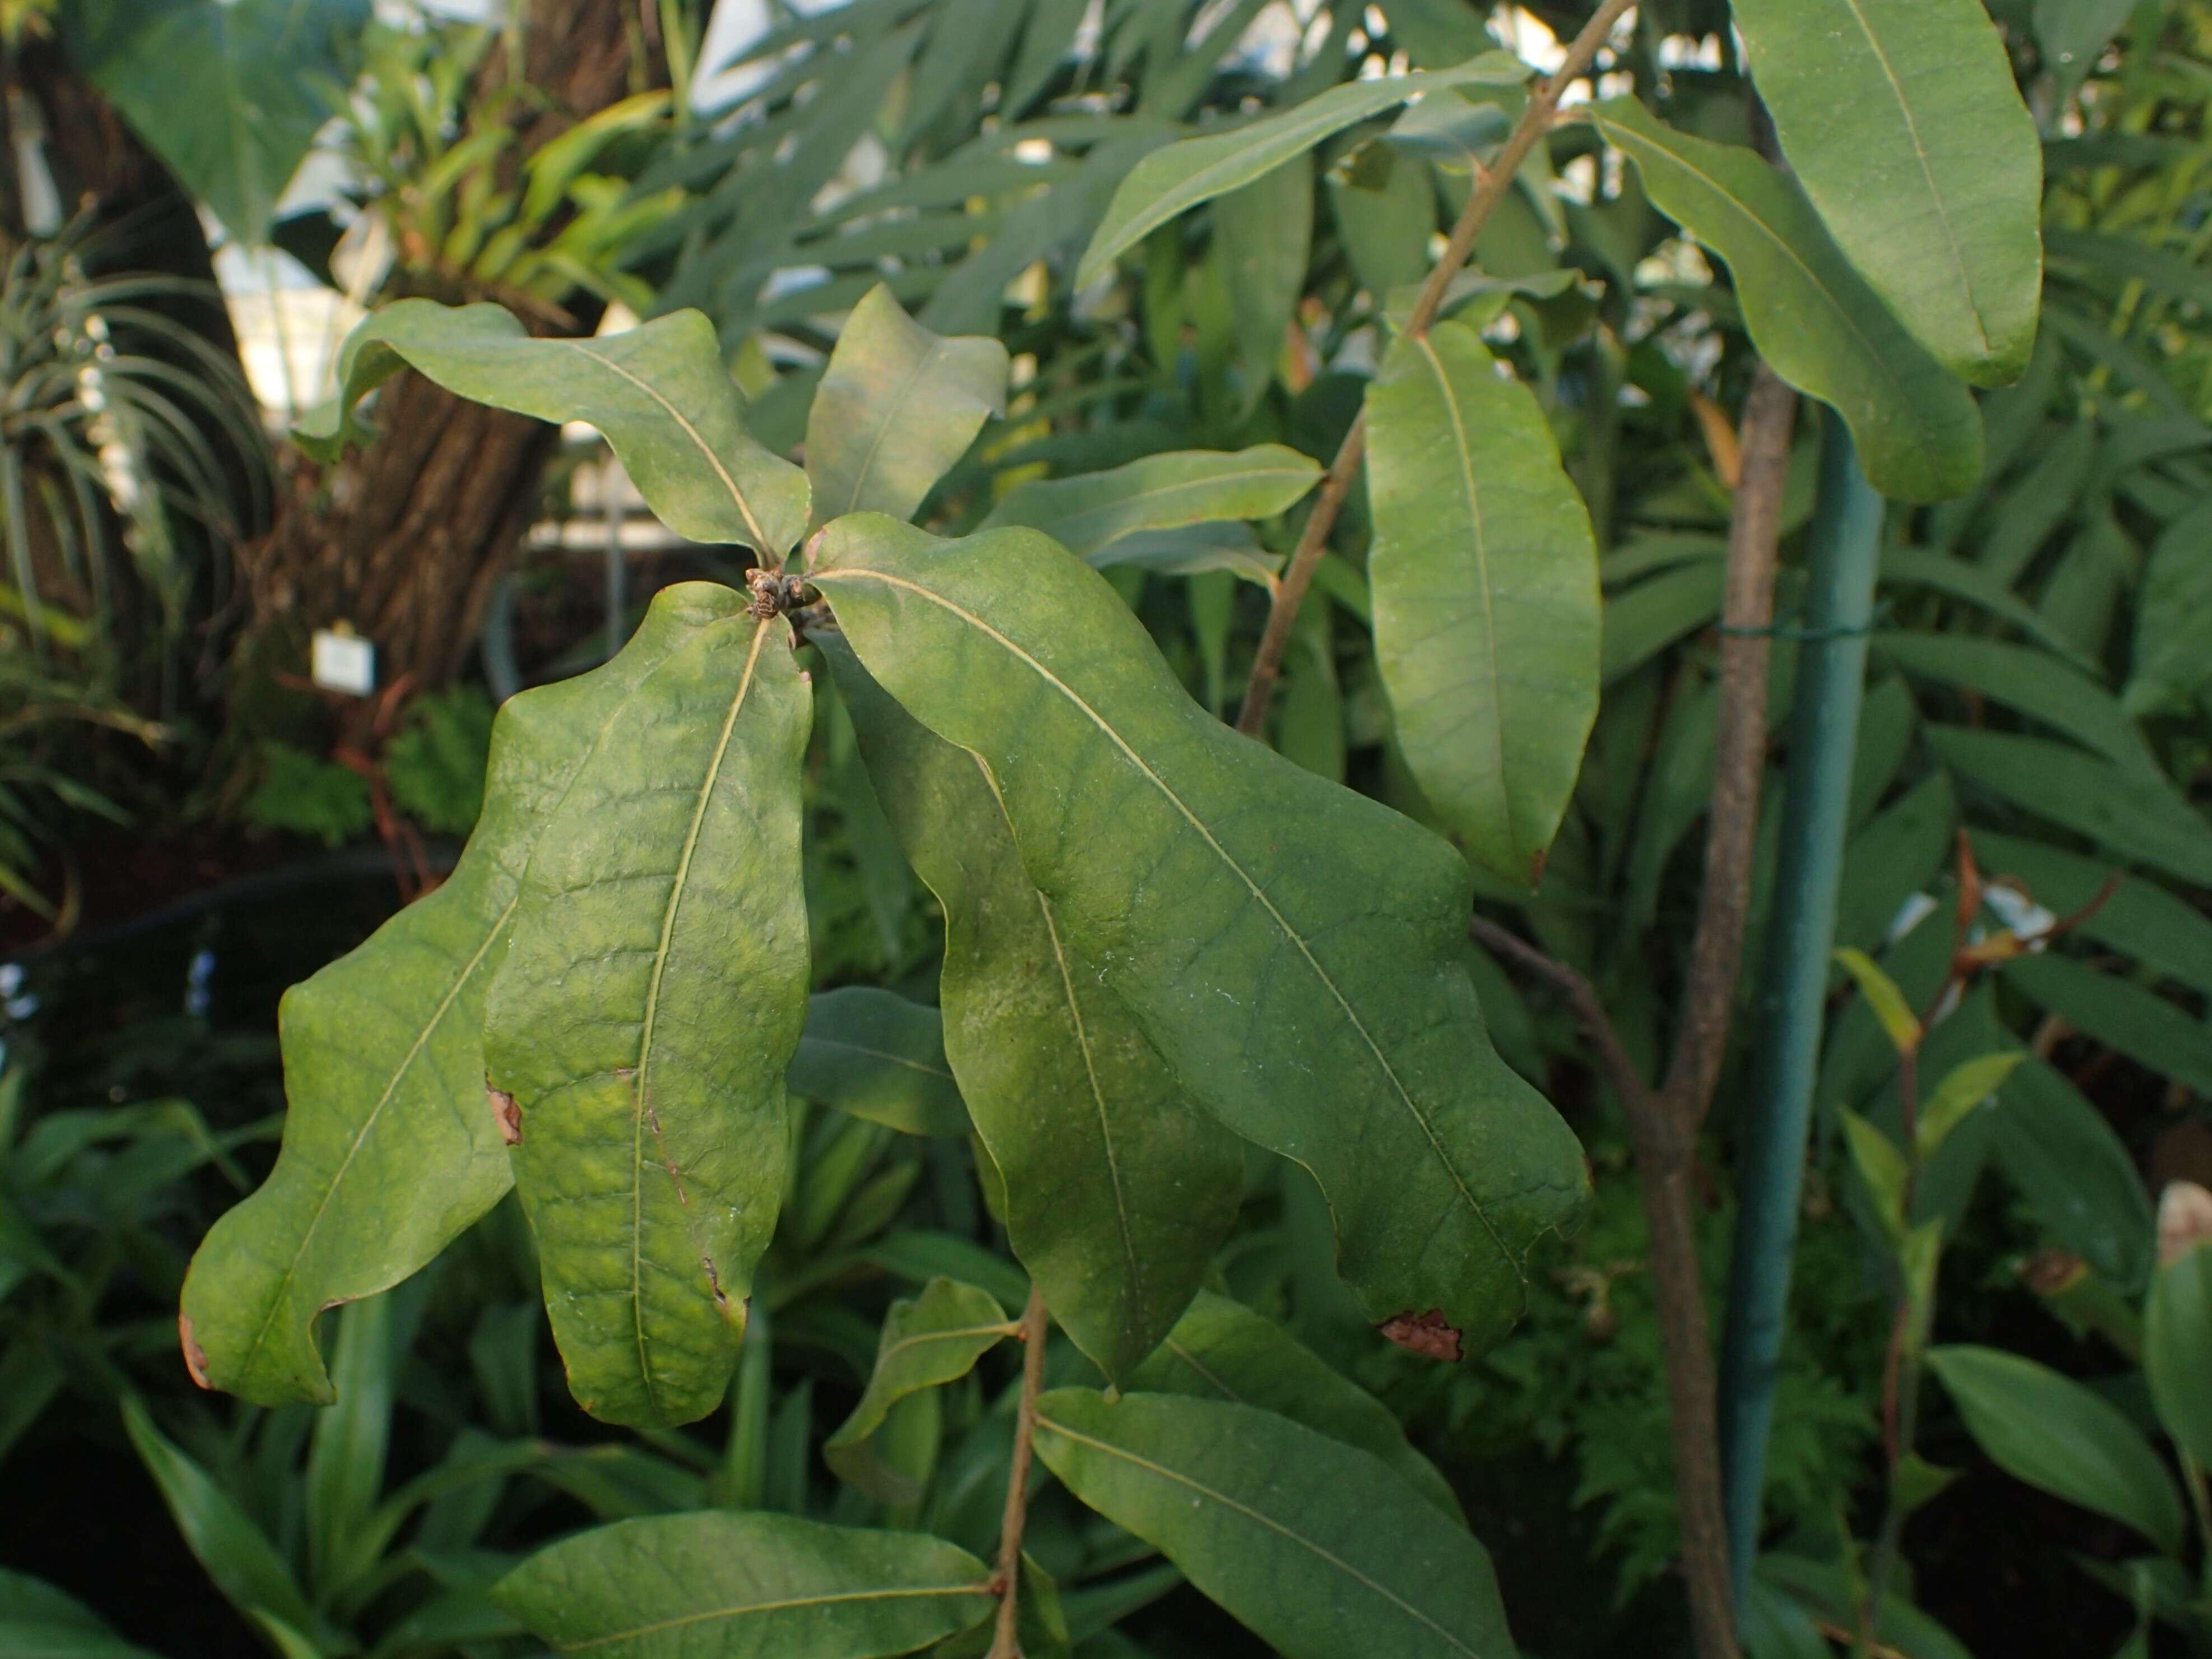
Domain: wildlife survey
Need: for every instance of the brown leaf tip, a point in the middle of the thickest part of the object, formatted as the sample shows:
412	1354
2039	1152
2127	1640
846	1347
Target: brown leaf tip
2185	1220
506	1113
194	1355
1426	1333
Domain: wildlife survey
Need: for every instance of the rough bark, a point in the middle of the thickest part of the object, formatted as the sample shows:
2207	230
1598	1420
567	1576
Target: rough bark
405	539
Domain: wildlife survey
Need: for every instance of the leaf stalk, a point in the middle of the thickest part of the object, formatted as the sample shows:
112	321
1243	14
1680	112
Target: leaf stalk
1007	1580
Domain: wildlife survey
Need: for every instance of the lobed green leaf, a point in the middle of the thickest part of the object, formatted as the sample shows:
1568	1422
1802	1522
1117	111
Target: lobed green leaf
390	1149
1117	1188
659	393
1296	952
653	994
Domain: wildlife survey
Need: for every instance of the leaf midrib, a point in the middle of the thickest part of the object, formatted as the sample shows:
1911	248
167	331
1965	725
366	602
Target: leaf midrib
391	1088
747	1609
1123	504
691	431
1489	666
1272	1525
1751	217
1259	893
640	1103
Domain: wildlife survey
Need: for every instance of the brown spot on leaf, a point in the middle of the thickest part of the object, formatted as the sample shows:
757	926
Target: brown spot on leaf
506	1113
194	1355
1424	1333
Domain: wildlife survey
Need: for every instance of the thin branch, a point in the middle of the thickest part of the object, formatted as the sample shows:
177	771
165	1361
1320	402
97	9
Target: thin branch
1007	1580
1739	757
1582	998
1663	1124
1489	189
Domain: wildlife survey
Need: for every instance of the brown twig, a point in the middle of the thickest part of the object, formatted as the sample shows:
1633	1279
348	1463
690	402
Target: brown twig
1739	751
1007	1580
1664	1123
1489	189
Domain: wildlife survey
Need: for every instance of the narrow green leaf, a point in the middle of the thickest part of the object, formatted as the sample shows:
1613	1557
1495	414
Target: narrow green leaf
1118	1189
1956	578
2077	1176
2106	1008
38	1621
1298	953
1652	615
1318	1547
2062	1438
1883	996
2170	665
929	1339
2139	917
1221	1350
659	394
1809	312
716	1585
898	406
237	1554
2138	818
390	1149
1265	232
1963	1089
1193	550
346	1451
1881	1166
875	1055
1484	579
1173	180
651	996
1087	513
1901	120
2036	683
2177	1348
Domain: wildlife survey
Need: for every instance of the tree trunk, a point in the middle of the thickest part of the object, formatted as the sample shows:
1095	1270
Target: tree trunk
405	539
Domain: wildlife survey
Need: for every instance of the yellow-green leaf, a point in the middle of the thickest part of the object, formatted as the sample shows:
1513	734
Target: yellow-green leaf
1483	572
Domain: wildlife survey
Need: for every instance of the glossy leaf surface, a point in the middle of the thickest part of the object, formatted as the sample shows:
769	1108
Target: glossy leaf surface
652	994
659	393
898	406
717	1585
2063	1438
1483	572
875	1055
1296	952
932	1339
1221	1350
1176	179
1118	1188
1317	1546
1809	312
1087	513
390	1149
1901	120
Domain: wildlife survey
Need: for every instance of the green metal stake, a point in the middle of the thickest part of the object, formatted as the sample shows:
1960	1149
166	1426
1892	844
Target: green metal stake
1846	545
